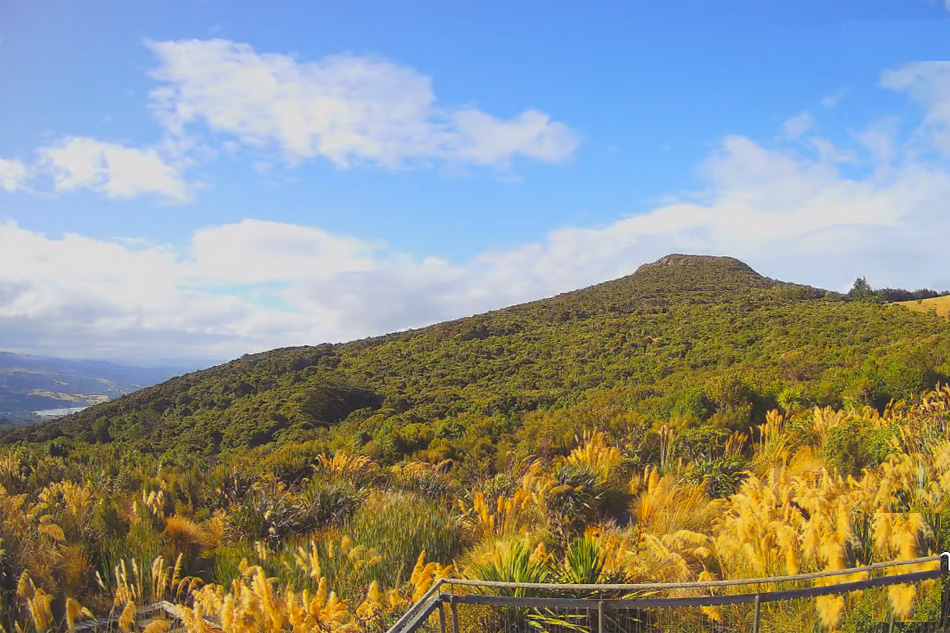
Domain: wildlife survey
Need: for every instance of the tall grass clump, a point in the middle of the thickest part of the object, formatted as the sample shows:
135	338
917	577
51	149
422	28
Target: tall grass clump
400	525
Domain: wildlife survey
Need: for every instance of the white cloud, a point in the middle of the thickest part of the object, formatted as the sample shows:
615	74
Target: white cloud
253	251
350	110
13	175
796	126
114	170
928	83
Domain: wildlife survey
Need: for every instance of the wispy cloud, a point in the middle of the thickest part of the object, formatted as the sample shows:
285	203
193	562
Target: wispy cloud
798	125
833	99
348	109
929	84
13	175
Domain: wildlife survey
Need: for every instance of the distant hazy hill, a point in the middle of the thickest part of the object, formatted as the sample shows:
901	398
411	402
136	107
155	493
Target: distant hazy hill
703	337
35	383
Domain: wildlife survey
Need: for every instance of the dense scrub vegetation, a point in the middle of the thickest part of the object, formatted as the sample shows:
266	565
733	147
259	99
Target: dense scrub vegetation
692	421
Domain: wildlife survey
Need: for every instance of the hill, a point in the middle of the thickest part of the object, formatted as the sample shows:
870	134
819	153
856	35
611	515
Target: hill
940	305
36	383
706	338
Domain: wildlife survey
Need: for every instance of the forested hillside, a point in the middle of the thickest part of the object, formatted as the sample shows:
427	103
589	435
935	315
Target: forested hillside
705	338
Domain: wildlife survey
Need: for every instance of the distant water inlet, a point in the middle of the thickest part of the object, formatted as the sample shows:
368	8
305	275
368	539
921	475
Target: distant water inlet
57	413
857	599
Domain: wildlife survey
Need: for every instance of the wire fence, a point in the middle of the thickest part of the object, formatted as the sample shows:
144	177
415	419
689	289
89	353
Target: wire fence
858	598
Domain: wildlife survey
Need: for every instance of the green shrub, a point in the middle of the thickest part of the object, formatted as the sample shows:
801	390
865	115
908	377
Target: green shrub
699	443
854	446
693	403
327	502
269	515
723	476
908	373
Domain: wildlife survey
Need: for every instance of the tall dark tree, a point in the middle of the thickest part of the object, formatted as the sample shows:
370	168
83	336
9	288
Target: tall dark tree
862	291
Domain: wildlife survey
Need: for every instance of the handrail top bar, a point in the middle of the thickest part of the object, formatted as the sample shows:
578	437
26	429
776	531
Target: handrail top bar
685	585
704	600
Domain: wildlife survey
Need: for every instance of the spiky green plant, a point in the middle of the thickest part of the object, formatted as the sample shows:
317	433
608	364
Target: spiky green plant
583	562
513	563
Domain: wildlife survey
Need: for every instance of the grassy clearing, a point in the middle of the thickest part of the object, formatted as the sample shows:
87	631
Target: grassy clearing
939	304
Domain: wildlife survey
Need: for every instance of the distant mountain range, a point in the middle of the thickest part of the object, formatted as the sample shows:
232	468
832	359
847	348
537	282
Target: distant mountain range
37	387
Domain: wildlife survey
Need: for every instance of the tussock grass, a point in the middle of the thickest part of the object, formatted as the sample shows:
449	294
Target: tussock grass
940	305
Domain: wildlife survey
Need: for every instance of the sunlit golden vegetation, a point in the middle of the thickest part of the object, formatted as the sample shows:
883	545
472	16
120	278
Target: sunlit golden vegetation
938	305
351	545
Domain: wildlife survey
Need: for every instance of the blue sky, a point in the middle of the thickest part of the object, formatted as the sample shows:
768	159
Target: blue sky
204	179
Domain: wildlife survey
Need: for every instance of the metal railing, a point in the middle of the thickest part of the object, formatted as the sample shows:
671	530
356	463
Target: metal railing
460	605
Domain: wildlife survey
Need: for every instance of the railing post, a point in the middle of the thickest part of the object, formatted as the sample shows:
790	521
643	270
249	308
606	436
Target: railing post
758	614
441	618
455	610
600	615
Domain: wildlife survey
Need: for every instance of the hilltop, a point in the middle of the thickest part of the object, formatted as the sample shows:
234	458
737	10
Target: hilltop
703	337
